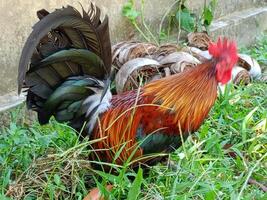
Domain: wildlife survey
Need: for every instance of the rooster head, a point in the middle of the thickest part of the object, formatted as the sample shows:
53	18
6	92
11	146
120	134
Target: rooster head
224	52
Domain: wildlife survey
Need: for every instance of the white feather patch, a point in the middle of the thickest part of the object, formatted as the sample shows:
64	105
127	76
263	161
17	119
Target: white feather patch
93	102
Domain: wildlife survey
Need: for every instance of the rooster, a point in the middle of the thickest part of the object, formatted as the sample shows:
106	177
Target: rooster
65	69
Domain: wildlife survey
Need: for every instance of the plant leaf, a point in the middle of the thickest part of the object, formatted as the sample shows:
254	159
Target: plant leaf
135	189
57	179
207	16
187	21
129	11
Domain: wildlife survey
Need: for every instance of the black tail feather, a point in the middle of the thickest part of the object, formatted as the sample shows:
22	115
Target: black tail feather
63	62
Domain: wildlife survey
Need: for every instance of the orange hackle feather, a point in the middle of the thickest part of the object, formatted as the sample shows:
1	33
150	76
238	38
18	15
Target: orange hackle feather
190	95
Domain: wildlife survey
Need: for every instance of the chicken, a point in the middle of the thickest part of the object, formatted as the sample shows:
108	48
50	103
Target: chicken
65	69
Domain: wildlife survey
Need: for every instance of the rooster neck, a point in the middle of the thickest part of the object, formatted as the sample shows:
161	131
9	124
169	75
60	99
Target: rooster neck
188	95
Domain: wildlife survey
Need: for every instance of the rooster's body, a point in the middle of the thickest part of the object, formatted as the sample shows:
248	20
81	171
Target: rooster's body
159	111
69	76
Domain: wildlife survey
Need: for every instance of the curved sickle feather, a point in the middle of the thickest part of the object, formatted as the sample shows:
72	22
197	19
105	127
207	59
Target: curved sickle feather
95	33
91	63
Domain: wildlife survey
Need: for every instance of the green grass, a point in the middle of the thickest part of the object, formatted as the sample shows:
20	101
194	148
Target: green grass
258	51
50	162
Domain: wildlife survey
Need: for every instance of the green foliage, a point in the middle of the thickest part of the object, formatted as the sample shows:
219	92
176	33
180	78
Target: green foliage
258	50
190	22
21	148
182	19
21	145
136	186
208	13
130	12
185	19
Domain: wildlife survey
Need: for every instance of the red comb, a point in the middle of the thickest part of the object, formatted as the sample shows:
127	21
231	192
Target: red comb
222	48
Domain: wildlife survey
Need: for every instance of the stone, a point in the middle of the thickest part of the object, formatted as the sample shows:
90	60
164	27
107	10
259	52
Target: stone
243	26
